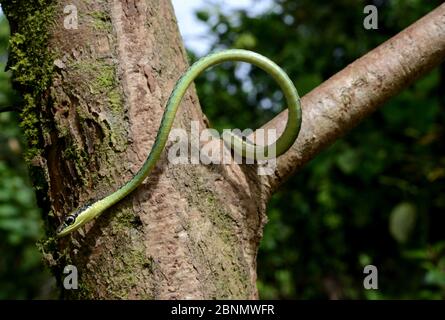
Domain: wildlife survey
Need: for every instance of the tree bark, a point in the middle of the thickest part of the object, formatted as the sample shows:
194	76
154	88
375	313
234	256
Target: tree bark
189	231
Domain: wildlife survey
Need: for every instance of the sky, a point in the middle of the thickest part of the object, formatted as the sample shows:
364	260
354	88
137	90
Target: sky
194	32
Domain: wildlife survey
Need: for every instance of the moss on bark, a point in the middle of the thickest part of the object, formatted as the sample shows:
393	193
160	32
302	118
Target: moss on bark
31	63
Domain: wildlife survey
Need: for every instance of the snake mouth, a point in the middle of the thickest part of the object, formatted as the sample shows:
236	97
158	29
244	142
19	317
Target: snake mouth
60	228
65	230
61	231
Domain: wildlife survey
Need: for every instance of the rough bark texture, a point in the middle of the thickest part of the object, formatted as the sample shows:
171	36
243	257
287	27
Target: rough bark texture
190	231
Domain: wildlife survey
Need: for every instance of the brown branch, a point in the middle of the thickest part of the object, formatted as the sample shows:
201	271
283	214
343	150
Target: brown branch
341	102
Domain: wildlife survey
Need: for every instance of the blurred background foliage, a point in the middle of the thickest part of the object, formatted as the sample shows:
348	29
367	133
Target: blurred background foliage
374	197
22	274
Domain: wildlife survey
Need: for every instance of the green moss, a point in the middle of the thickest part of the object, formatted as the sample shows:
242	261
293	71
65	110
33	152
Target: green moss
84	292
115	100
98	74
220	218
99	77
223	220
100	15
224	240
30	62
80	159
101	21
125	276
131	266
105	79
125	219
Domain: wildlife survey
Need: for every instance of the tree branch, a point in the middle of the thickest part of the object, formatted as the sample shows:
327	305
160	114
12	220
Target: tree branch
341	102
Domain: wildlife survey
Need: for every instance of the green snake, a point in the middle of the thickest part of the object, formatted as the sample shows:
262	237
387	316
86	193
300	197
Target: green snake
240	146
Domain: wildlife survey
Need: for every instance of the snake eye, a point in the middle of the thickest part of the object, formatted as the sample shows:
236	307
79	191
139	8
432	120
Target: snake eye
69	220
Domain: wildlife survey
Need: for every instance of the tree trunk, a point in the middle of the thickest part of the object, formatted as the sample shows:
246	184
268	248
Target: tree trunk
94	99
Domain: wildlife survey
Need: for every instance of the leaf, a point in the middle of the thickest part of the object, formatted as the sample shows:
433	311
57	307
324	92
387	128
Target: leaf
420	254
245	41
347	161
435	277
401	221
203	15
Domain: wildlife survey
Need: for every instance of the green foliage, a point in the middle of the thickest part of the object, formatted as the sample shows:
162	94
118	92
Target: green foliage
369	198
8	97
21	274
402	221
21	271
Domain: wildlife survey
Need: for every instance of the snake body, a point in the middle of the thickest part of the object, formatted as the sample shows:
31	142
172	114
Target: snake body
82	215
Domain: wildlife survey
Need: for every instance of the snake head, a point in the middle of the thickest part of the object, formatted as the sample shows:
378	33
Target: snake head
75	220
68	221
